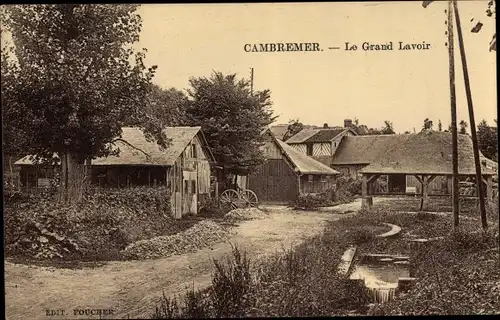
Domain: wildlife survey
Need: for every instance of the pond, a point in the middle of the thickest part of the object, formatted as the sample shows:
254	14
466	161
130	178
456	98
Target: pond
381	274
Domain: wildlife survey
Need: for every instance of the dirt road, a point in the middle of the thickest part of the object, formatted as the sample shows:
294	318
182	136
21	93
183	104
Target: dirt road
131	288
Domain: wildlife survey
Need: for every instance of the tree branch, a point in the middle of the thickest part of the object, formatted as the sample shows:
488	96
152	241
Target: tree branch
132	146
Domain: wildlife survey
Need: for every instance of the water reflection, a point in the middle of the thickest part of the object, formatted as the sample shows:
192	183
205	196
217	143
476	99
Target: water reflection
381	277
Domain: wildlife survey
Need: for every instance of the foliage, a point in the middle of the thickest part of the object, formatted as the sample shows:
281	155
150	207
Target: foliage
313	201
231	284
102	225
463	127
427	124
487	137
211	209
75	84
388	128
167	105
232	118
362	129
297	282
294	127
347	188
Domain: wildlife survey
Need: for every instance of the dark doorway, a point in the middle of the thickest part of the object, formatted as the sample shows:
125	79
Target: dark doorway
397	183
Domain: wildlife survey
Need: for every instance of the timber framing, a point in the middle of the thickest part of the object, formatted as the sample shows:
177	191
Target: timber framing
424	178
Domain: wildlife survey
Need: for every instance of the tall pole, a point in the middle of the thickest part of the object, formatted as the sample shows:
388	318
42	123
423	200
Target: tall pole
477	161
251	80
455	190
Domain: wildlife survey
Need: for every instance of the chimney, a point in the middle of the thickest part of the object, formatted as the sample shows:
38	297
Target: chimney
325	125
347	123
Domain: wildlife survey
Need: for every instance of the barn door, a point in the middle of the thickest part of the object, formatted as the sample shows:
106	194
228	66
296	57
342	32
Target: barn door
190	192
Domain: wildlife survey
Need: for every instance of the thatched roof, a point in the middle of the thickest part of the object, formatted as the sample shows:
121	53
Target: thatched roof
421	153
139	151
179	138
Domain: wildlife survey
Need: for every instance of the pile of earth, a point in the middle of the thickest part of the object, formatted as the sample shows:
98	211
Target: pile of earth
200	235
246	214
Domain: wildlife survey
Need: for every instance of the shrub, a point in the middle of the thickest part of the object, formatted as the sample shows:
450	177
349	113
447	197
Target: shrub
107	220
211	208
42	231
312	201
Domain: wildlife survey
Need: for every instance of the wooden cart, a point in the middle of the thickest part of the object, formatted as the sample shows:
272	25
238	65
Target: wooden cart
232	199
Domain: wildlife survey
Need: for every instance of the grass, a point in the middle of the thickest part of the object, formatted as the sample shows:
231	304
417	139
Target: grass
303	281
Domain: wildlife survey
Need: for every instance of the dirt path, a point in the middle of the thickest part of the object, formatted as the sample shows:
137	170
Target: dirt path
131	288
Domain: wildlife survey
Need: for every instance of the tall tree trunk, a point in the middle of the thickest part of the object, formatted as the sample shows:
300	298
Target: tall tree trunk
73	179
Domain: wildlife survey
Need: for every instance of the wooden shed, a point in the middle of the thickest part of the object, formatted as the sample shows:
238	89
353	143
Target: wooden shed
184	166
287	173
425	156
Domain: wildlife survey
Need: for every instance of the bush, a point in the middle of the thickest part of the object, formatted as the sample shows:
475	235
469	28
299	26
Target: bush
98	228
298	282
312	201
347	189
210	209
42	231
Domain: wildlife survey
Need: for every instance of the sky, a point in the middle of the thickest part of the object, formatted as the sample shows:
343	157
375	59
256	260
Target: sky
328	86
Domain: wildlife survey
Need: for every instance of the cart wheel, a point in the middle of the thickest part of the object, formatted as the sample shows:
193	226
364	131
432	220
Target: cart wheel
250	198
228	200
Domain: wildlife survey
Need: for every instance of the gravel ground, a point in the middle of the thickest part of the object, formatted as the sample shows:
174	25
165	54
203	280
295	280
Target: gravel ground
246	214
201	235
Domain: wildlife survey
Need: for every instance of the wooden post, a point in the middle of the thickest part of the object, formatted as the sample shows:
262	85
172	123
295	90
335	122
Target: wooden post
489	189
364	192
472	123
425	192
298	185
451	56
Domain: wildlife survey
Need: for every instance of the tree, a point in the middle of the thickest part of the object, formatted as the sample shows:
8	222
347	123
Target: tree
232	119
167	105
440	125
427	124
487	137
15	139
294	127
463	127
388	128
76	86
363	130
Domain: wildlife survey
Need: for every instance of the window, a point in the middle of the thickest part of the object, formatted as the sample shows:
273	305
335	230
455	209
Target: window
186	187
310	149
193	186
311	178
335	144
193	151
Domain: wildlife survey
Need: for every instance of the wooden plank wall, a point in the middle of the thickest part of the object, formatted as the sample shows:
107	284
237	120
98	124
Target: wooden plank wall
440	184
274	182
319	184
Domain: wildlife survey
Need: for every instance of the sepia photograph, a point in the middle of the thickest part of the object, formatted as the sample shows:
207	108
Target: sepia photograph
247	160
